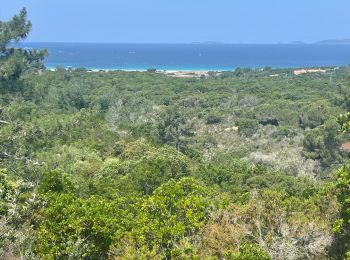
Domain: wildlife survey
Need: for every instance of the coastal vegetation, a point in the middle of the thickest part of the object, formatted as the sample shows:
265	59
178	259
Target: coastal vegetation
248	164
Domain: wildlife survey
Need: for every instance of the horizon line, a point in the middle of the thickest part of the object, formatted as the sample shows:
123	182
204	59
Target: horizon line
186	43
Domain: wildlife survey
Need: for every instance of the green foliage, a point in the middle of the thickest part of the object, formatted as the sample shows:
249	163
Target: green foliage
93	142
237	178
55	182
323	143
172	129
139	165
16	29
13	62
343	185
213	119
247	127
74	227
344	122
278	223
249	252
342	224
158	168
314	115
141	169
17	205
6	192
174	211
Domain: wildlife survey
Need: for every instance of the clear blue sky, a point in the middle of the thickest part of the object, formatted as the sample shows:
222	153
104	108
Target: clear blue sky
184	21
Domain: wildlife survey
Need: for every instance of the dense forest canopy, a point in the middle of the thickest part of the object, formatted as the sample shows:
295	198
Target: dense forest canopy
140	165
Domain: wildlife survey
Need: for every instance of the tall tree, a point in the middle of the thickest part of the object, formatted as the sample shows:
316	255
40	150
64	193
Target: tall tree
15	61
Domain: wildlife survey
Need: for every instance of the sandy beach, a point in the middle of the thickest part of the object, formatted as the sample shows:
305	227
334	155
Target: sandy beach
186	73
170	73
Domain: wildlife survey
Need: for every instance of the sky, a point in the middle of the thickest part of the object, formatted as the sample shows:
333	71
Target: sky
183	21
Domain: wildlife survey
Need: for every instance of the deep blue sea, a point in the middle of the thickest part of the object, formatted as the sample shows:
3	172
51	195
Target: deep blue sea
191	56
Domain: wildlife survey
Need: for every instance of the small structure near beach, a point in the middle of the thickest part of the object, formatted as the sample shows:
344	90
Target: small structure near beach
303	71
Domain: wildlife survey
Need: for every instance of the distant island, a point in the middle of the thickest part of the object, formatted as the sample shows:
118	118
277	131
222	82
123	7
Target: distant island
335	42
209	42
298	43
324	42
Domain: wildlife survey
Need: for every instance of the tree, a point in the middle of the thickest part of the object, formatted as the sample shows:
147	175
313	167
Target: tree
15	61
173	130
141	169
158	168
314	115
174	211
76	228
322	143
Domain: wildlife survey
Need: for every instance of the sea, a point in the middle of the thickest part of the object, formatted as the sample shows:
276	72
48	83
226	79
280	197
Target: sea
214	57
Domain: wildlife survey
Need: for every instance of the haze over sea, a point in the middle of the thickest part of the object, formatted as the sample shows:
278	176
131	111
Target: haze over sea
191	56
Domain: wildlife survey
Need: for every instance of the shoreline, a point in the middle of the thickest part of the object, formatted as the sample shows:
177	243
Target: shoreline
206	73
189	70
168	70
183	73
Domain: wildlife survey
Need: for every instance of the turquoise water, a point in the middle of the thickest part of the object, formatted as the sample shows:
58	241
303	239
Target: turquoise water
191	56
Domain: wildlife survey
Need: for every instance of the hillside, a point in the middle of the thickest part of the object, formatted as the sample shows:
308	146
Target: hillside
250	164
240	140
